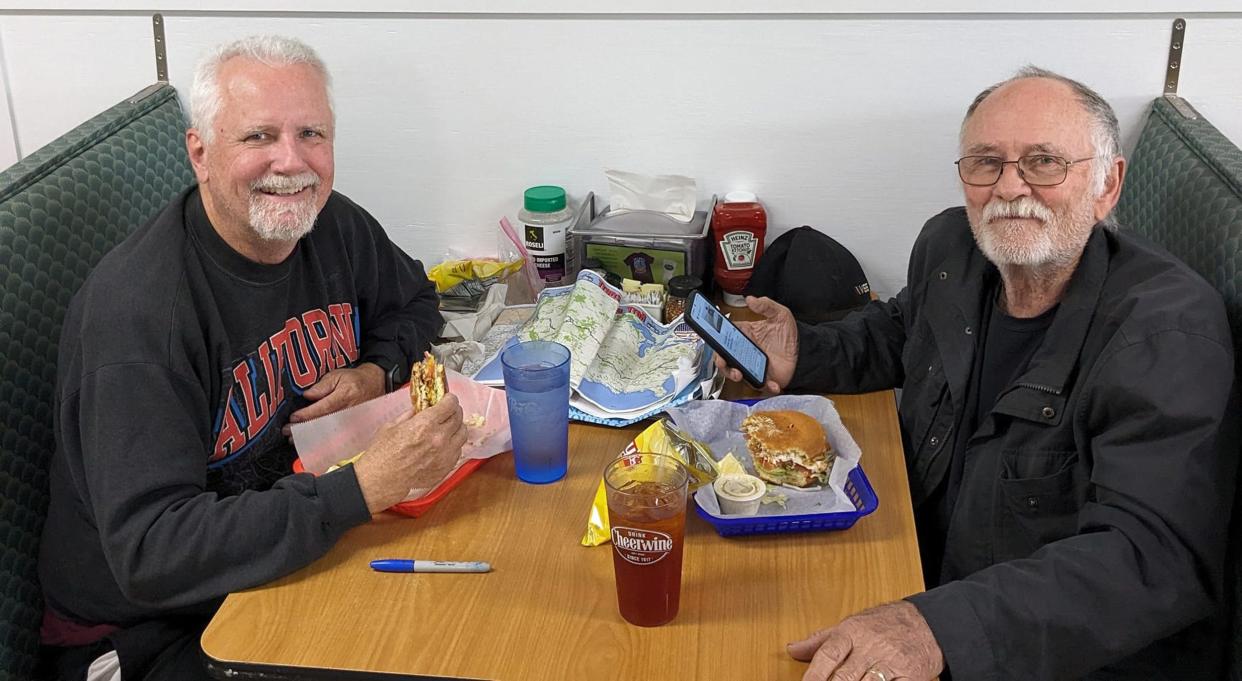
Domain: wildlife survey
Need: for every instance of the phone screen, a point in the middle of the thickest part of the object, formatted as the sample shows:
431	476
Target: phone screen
727	339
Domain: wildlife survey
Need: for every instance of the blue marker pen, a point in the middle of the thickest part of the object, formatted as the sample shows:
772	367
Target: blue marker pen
400	565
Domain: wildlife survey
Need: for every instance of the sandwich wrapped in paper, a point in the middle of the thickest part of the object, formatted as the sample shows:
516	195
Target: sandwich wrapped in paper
342	436
428	385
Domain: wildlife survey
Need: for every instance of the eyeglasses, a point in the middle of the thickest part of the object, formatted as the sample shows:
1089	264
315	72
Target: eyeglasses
1037	170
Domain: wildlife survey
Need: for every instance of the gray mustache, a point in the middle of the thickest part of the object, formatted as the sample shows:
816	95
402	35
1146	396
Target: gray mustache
1023	207
285	183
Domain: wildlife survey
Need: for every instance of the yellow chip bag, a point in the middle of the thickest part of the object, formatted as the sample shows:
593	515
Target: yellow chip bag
469	277
661	437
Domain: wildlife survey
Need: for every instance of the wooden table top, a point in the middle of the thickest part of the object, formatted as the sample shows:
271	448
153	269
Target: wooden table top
548	609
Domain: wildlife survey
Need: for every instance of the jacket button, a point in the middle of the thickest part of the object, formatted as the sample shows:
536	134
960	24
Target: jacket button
934	441
944	275
1032	503
1048	412
969	331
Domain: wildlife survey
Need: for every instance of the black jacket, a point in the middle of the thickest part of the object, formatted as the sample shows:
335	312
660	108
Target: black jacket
1089	530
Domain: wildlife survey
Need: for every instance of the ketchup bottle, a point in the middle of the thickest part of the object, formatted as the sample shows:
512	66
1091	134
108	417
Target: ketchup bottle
739	225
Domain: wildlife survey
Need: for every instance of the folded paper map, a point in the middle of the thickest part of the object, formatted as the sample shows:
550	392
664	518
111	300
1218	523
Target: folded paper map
622	361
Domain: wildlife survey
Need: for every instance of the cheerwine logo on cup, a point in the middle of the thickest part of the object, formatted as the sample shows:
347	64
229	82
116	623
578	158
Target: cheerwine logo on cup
641	547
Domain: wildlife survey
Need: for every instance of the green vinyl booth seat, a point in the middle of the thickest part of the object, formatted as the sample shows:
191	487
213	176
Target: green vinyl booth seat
61	209
1183	190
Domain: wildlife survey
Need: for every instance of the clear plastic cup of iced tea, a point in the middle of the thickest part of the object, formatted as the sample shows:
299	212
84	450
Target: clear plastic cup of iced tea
647	514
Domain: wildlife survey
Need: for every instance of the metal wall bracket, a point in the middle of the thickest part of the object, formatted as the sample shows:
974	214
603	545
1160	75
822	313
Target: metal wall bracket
161	62
161	57
1173	71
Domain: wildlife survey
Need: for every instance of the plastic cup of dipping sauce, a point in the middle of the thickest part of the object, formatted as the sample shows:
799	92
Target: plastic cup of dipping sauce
739	493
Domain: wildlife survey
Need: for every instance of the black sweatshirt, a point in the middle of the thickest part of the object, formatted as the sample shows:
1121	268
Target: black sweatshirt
180	362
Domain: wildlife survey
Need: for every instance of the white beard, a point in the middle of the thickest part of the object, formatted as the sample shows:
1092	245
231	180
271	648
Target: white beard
1057	241
273	221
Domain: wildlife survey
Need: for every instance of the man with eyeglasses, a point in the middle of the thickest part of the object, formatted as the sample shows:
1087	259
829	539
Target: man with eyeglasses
1065	414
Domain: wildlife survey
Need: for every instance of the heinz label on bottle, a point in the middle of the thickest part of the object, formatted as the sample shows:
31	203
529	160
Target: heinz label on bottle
739	250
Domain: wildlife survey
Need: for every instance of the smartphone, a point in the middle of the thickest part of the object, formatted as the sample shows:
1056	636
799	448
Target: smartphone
726	339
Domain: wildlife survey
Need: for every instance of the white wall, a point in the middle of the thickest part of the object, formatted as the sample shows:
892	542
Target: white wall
9	153
846	121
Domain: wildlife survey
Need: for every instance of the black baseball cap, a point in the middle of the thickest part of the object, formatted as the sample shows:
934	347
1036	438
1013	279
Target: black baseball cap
812	274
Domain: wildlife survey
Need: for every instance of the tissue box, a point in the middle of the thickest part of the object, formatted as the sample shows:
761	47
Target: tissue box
644	245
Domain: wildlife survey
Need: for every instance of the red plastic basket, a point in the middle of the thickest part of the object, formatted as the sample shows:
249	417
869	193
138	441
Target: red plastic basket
416	507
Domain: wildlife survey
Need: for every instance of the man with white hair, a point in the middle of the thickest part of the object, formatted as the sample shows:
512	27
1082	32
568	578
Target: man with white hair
257	298
1065	417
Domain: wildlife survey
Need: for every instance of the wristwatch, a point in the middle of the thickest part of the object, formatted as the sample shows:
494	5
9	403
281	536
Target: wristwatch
390	375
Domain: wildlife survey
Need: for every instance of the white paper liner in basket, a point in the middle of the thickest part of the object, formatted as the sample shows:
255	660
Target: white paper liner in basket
716	423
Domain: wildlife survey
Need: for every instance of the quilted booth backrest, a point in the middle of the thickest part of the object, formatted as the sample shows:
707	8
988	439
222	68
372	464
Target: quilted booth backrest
61	209
1183	190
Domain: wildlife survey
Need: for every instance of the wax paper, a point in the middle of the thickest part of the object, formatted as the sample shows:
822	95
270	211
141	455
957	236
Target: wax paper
329	439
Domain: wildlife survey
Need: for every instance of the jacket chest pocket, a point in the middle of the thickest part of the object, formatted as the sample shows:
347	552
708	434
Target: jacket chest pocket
1038	499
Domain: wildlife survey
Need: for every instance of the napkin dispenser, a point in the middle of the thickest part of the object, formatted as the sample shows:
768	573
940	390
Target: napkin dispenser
647	246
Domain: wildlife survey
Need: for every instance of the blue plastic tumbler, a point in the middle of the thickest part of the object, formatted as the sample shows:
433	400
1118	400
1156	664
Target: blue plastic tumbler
537	390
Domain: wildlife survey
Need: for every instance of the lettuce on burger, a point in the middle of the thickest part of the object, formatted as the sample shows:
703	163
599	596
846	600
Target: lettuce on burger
788	448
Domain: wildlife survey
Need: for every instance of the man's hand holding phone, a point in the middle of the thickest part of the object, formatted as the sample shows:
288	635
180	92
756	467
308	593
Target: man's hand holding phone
761	352
777	335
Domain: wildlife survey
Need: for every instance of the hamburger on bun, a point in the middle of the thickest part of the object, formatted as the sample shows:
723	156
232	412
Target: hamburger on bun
428	384
788	447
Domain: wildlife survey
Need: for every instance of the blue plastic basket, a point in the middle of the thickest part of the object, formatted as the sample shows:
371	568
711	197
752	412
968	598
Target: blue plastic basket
856	485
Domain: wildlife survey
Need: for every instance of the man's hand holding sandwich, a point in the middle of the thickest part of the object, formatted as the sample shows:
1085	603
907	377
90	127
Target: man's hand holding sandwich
420	447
